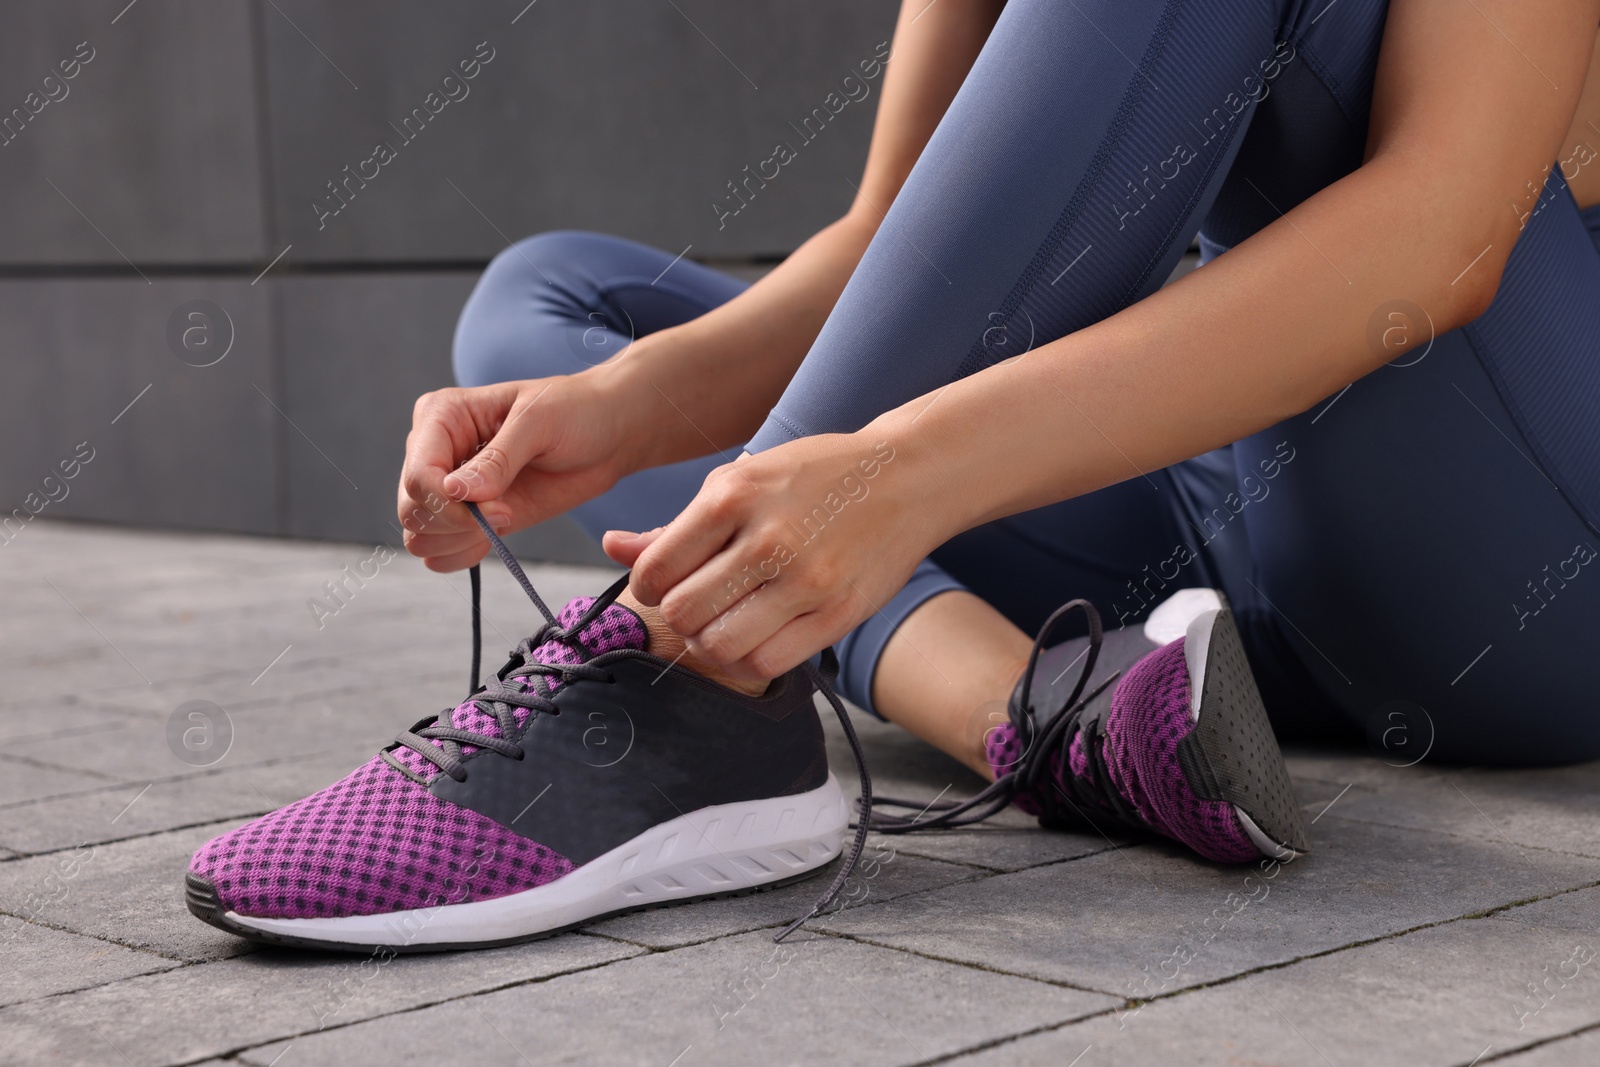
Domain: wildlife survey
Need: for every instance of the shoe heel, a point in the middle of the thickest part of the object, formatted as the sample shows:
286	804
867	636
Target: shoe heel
1232	754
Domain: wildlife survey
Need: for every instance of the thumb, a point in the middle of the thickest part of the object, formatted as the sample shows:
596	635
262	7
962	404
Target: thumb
625	548
490	472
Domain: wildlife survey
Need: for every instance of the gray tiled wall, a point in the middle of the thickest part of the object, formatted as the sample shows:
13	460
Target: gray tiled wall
194	144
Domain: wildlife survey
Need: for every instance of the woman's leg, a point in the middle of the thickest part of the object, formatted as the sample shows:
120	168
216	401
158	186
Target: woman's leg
1040	205
1431	553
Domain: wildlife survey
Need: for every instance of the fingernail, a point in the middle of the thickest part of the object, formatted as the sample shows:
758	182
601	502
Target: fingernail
454	487
622	535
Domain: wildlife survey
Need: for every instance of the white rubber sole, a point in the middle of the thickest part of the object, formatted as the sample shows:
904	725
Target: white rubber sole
724	849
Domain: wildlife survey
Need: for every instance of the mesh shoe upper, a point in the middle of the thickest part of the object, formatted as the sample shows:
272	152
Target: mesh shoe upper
377	841
1149	716
373	842
615	627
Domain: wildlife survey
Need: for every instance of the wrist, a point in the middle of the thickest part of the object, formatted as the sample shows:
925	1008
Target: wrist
928	472
623	389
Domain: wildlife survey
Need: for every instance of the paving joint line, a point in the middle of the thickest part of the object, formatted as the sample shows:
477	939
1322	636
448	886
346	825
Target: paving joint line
194	776
1483	913
107	939
1466	837
45	765
1539	1043
537	980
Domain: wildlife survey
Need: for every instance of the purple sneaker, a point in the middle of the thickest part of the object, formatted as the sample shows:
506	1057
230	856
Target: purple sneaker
586	779
1160	729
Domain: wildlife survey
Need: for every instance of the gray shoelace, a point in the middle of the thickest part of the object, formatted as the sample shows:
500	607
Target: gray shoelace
1035	767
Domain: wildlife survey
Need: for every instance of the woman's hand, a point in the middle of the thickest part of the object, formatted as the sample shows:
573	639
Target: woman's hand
525	451
784	552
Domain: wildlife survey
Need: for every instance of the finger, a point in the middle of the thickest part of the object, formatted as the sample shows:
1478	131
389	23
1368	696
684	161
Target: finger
444	431
429	546
458	560
750	622
717	586
490	472
439	516
794	643
700	532
624	547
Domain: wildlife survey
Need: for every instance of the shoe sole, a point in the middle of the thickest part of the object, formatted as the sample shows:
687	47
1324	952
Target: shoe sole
721	851
1232	754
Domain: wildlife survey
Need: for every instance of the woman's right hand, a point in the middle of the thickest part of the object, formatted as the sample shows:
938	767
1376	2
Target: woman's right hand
524	451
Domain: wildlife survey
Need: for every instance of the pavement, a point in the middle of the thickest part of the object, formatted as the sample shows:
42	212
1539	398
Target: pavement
1447	915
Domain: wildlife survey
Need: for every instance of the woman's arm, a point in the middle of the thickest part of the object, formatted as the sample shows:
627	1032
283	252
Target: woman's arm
717	376
529	450
1464	127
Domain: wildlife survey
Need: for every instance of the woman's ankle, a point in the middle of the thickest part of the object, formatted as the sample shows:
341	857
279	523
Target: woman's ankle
670	645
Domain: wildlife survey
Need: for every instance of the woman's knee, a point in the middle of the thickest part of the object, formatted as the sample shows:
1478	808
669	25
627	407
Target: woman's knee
531	288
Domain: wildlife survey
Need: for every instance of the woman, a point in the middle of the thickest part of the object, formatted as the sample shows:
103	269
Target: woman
971	399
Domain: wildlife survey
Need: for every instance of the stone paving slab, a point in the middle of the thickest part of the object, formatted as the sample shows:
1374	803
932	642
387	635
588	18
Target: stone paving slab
1116	920
740	1001
127	810
1548	808
24	779
52	720
41	962
882	876
965	943
215	1008
129	892
1450	994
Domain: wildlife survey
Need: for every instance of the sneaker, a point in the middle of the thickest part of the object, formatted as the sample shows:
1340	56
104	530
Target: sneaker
588	778
1159	729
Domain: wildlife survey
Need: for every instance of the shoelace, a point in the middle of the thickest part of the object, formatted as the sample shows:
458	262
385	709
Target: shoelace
503	694
513	688
1040	744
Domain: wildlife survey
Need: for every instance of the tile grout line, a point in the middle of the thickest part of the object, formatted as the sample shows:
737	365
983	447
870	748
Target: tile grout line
537	980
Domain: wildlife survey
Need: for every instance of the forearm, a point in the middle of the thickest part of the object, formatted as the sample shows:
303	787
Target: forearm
707	385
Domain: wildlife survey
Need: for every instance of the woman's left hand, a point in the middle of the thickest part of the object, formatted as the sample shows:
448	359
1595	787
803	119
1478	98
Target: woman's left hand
784	552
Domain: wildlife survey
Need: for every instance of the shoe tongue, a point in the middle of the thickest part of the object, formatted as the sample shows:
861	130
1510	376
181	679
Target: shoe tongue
614	628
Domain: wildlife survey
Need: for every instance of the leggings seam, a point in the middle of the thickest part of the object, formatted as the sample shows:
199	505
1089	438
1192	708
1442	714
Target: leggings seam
1519	422
1329	80
1136	91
